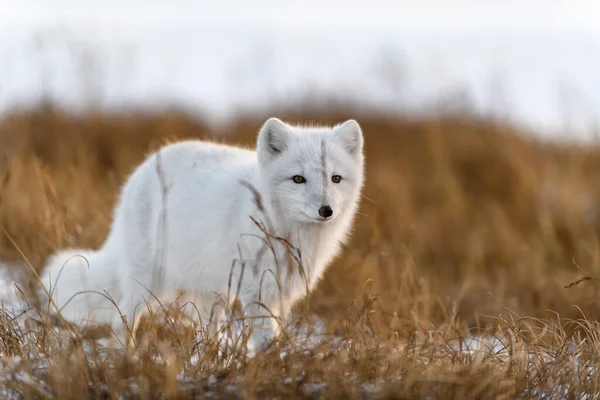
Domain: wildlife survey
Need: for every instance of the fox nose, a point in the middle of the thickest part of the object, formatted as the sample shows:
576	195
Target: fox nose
325	211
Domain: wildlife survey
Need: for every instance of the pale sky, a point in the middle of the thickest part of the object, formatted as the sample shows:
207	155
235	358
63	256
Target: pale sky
536	61
503	15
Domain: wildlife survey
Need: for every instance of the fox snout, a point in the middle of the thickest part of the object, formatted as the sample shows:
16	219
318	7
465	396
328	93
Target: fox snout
325	212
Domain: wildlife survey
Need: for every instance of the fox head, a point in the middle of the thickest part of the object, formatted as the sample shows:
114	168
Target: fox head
312	175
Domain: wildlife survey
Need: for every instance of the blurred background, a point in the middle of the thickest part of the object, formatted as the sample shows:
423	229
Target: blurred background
534	62
480	121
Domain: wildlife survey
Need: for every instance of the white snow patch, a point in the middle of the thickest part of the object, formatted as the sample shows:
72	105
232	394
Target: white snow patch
12	301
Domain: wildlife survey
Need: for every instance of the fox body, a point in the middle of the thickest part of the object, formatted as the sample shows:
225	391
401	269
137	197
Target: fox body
194	210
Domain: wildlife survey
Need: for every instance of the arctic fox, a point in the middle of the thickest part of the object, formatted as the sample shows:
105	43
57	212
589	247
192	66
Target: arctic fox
194	210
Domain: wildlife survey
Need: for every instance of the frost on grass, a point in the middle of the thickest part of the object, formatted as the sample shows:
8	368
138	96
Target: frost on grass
36	360
175	357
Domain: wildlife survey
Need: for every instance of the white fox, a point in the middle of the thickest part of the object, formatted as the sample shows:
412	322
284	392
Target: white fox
193	209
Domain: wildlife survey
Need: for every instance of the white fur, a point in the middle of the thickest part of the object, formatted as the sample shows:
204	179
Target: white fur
184	214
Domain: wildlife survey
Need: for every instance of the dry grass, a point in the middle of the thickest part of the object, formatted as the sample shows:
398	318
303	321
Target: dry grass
465	226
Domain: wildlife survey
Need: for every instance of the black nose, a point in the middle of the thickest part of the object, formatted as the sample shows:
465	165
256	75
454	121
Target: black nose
325	212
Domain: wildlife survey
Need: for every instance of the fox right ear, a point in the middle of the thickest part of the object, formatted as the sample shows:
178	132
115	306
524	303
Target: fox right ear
272	139
350	136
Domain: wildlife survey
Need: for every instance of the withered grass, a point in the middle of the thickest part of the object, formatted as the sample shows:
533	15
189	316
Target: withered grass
467	229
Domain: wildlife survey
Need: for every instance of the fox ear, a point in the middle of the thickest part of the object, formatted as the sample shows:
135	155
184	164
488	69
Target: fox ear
349	135
273	139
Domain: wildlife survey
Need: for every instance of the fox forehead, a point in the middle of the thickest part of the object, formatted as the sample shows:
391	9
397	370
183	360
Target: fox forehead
316	151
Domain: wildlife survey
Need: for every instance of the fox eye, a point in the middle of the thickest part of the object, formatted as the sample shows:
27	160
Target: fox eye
336	179
299	179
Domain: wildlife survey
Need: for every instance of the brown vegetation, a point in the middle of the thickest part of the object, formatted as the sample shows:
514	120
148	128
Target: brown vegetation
464	224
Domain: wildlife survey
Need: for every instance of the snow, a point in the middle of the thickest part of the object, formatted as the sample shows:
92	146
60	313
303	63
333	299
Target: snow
11	300
532	62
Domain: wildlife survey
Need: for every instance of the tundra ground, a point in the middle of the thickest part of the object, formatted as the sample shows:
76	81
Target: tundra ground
453	285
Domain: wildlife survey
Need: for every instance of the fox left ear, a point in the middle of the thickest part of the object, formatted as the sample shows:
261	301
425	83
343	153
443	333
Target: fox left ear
350	136
273	139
